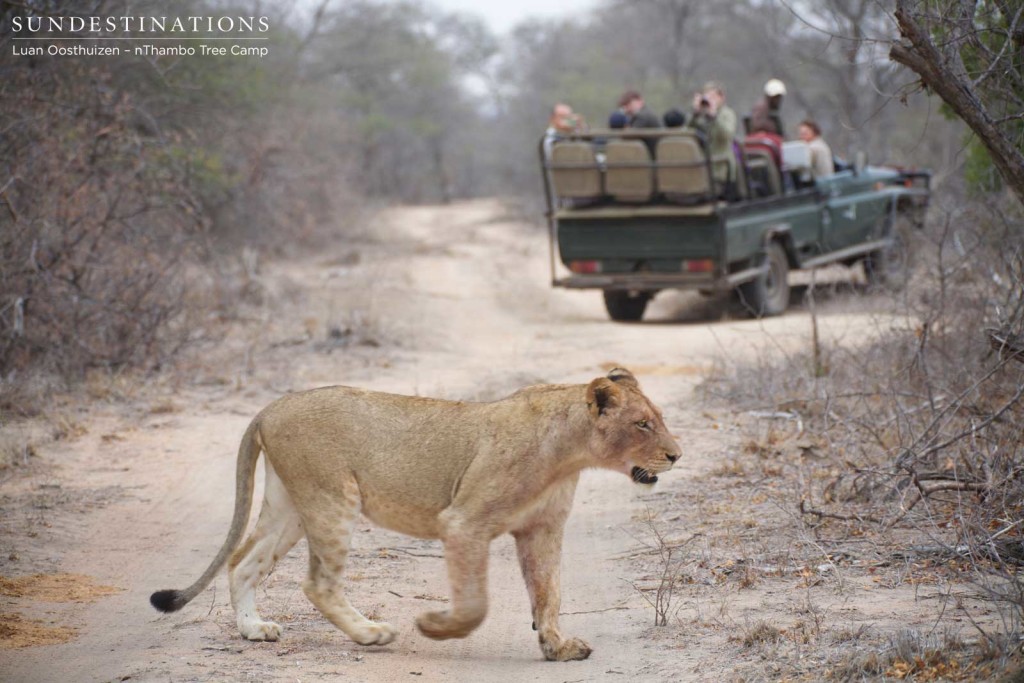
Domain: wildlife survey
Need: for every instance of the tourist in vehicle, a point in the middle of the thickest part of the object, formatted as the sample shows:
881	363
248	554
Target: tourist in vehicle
762	142
639	114
618	120
563	121
713	118
674	118
766	115
762	135
821	154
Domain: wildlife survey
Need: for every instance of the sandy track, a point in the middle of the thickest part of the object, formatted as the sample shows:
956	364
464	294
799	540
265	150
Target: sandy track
458	299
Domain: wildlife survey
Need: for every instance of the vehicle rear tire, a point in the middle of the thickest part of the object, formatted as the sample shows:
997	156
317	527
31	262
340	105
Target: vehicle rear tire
768	294
889	268
624	306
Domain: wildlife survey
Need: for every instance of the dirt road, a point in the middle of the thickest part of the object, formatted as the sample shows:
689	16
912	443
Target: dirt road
451	302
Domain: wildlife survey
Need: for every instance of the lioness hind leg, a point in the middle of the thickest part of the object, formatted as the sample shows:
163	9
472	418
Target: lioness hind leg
329	538
278	529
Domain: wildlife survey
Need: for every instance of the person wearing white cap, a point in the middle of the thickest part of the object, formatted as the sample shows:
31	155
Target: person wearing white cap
766	116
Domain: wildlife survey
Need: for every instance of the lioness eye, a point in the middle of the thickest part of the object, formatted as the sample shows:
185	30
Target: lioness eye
642	424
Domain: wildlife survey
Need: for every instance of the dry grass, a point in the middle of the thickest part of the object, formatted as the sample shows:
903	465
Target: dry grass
761	633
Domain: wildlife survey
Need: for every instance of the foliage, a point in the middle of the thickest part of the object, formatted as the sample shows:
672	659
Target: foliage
396	69
980	173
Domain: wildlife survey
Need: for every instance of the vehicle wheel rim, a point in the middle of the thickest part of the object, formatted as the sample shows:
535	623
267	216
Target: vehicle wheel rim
772	279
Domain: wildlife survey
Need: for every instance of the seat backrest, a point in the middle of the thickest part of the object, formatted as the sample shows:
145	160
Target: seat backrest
574	170
682	169
763	173
765	141
629	176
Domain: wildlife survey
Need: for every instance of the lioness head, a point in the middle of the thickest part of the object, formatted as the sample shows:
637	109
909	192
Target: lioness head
629	432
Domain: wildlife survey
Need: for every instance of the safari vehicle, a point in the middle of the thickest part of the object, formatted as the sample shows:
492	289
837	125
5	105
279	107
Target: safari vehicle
634	212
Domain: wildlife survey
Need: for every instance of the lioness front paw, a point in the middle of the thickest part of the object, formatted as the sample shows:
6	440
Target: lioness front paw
260	630
374	633
442	625
565	650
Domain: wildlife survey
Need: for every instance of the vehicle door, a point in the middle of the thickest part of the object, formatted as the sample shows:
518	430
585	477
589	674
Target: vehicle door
847	220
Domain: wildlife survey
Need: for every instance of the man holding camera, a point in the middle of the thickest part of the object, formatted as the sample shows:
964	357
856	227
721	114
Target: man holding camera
717	122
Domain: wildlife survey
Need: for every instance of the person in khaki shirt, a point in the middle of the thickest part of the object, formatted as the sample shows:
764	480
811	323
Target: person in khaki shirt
717	122
821	154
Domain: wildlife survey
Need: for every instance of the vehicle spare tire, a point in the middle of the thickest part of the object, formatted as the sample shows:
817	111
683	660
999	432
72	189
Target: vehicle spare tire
768	293
625	306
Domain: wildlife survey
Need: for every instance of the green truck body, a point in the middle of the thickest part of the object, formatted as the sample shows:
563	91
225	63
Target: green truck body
616	226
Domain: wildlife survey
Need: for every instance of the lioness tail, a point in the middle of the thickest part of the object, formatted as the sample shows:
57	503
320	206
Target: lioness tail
248	452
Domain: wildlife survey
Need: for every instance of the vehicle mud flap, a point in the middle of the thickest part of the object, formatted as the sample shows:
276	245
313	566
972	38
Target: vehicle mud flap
626	306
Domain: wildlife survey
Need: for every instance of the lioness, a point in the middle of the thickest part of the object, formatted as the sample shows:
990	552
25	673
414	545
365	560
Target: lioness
461	472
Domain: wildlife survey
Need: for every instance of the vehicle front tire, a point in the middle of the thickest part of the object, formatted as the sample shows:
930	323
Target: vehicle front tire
889	268
624	306
768	294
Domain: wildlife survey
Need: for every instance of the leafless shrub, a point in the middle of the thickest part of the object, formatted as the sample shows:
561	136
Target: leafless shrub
670	561
92	229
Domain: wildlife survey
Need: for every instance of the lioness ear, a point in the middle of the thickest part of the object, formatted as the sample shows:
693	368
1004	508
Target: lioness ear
624	377
602	394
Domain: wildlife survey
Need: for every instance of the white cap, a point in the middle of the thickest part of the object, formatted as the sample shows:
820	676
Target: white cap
774	87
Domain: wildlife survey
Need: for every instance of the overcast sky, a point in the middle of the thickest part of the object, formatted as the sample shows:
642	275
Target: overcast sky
501	16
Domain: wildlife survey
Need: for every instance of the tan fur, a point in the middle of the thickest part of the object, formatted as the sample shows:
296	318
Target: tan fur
460	472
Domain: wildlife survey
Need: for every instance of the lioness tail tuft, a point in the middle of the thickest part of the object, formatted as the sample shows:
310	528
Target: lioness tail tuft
167	601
